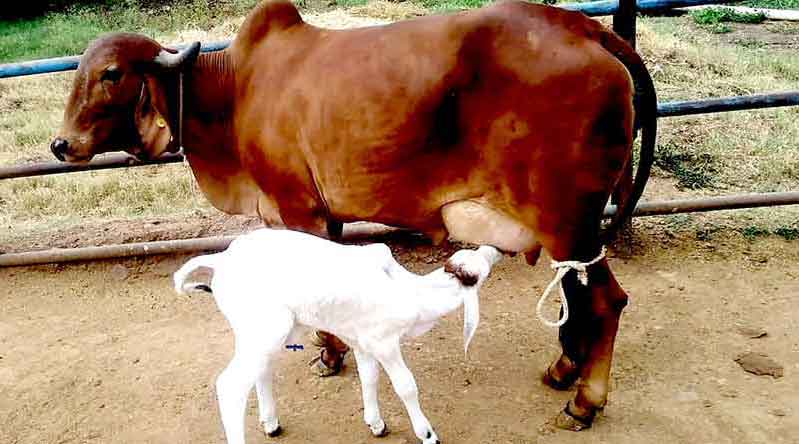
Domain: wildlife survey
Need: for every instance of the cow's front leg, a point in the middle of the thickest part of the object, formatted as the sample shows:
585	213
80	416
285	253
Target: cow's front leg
607	300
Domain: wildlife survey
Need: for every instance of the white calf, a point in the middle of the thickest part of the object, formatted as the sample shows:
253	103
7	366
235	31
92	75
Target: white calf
272	284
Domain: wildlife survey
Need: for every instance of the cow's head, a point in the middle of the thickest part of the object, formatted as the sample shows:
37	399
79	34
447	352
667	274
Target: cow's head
123	98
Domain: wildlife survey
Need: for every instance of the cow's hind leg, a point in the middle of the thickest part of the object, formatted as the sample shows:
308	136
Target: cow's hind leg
331	354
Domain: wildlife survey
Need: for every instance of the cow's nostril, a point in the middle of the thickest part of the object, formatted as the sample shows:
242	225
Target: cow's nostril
59	147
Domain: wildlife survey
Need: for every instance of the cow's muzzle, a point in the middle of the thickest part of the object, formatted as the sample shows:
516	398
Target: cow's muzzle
59	147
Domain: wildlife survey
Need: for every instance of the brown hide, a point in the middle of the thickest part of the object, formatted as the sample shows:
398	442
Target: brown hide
508	125
516	107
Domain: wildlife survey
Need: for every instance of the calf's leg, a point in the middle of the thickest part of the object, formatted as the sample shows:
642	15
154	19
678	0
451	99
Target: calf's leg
257	342
369	373
405	386
266	402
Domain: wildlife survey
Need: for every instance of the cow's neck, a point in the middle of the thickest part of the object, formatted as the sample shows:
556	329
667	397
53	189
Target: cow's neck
208	105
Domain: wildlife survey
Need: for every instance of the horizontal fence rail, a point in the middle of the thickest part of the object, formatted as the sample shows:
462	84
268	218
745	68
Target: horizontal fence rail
725	104
594	9
104	162
668	109
359	231
59	64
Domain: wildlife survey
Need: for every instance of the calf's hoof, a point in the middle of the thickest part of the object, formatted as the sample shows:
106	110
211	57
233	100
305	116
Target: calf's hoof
566	420
431	438
379	430
275	431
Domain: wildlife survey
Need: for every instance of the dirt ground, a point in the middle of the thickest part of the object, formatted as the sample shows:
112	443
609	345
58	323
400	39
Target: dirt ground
108	353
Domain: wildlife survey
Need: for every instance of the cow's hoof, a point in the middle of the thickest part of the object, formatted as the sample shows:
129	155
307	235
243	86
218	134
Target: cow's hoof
321	369
567	421
548	379
379	430
274	432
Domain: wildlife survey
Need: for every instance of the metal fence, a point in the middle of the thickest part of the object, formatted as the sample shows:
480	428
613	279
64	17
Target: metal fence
624	22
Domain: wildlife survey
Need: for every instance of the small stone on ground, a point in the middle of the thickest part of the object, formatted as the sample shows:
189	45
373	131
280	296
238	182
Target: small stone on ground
752	332
119	272
760	364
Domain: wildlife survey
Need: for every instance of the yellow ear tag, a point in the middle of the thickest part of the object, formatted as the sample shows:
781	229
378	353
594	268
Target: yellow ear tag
160	122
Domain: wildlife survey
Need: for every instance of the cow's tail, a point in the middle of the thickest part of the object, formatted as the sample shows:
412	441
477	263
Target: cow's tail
181	286
645	103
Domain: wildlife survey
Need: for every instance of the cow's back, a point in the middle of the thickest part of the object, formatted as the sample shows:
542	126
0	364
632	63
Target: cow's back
392	123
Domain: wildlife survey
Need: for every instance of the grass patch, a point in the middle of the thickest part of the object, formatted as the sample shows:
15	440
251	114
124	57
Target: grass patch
691	169
753	232
453	5
787	233
772	4
715	16
67	33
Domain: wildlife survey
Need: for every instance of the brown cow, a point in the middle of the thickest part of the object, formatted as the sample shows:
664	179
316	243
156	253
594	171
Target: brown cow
508	126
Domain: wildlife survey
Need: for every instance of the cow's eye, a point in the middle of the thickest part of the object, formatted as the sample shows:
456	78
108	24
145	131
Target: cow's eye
112	75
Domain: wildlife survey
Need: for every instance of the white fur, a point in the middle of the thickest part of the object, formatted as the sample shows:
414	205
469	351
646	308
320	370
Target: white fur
270	283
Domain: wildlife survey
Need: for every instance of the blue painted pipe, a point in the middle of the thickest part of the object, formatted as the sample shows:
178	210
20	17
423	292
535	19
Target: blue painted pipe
69	63
724	104
608	7
600	8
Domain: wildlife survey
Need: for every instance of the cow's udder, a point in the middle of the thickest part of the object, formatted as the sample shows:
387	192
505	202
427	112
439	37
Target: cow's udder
477	223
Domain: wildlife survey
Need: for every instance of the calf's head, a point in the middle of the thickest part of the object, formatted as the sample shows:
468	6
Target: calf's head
124	98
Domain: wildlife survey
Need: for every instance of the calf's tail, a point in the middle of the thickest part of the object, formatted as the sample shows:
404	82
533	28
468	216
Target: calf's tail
207	261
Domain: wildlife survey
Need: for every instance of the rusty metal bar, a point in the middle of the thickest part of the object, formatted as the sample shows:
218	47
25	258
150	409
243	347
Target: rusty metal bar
359	231
754	200
105	162
352	232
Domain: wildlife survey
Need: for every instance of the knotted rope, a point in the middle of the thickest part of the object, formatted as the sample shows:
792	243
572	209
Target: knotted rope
562	268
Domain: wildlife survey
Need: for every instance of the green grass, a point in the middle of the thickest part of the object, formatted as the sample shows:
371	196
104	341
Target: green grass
772	4
715	16
67	33
453	5
693	170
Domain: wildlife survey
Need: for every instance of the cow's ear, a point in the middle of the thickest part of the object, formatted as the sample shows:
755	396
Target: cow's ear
152	119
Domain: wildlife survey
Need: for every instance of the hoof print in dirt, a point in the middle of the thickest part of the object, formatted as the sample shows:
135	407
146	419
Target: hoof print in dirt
760	364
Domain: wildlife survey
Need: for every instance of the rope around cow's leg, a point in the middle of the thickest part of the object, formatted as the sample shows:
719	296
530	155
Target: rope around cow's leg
562	269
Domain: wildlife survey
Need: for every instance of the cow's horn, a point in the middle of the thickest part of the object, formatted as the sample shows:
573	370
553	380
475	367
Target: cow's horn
174	60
